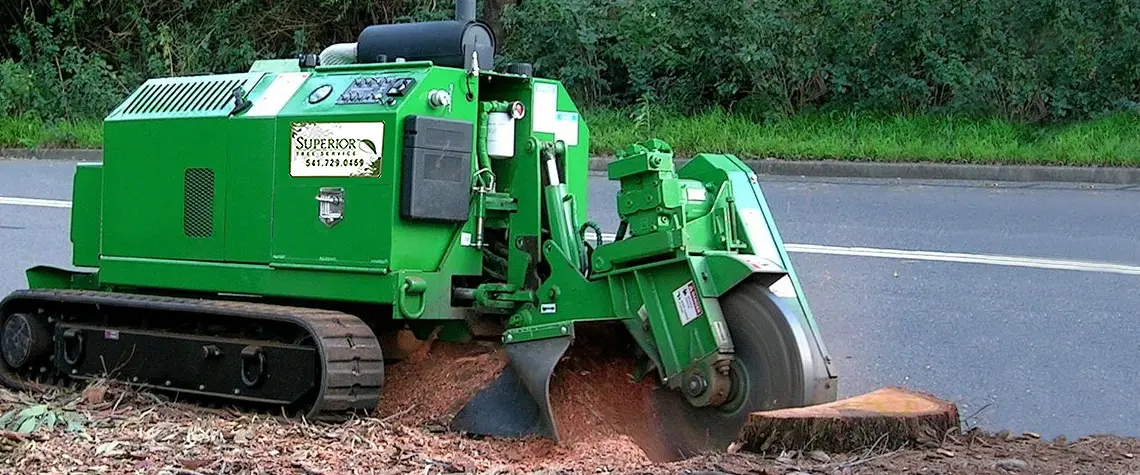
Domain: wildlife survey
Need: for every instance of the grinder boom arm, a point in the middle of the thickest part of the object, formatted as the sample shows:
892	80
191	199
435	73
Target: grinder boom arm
702	282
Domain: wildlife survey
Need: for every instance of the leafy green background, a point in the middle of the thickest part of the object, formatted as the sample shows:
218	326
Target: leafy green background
1036	62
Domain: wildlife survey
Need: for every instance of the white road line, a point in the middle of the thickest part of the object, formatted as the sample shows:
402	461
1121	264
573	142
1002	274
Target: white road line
1010	261
990	259
6	200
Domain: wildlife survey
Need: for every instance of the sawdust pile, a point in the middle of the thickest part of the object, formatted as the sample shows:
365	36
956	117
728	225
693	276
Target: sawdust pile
603	415
112	430
434	383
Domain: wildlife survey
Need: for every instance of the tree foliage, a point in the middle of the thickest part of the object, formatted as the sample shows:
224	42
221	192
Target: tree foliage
1034	60
1030	60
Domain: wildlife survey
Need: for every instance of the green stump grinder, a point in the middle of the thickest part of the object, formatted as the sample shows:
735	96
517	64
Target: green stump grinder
251	237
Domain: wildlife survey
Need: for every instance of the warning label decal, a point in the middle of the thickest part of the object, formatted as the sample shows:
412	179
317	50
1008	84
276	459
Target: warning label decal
688	302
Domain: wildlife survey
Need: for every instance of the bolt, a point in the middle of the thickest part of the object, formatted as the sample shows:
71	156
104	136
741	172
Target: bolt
210	350
74	371
697	385
564	330
510	337
167	382
439	98
201	387
237	391
135	379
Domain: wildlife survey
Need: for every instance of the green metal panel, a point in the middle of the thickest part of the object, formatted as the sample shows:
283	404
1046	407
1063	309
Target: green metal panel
245	279
86	202
250	157
164	170
161	196
249	195
370	233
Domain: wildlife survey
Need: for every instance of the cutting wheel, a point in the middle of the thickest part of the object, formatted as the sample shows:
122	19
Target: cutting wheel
772	370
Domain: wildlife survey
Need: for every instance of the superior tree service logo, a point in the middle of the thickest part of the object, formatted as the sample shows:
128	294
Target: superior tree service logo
337	149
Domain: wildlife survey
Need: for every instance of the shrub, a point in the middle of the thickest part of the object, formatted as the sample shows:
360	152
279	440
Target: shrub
1026	60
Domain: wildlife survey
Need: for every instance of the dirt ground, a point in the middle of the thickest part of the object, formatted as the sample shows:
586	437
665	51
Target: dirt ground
111	429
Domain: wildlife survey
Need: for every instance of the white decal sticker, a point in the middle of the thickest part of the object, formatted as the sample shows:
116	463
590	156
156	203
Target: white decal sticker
566	129
688	302
720	334
336	149
278	93
548	308
641	312
696	194
465	239
545	108
783	288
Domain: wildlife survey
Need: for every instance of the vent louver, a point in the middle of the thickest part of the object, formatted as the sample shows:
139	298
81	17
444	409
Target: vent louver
186	96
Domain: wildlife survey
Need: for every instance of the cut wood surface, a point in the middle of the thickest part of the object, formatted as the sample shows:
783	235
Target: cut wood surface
885	418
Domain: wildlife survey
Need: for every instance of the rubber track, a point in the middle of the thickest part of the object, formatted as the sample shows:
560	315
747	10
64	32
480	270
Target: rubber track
352	373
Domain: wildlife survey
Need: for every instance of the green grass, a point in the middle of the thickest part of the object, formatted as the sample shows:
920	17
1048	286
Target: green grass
25	132
1112	140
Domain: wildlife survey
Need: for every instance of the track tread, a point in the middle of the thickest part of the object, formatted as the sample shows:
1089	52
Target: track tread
352	370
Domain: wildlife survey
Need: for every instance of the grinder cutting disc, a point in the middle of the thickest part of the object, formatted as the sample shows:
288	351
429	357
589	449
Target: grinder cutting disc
771	370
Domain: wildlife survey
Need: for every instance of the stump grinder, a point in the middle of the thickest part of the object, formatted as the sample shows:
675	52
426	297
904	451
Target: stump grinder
252	237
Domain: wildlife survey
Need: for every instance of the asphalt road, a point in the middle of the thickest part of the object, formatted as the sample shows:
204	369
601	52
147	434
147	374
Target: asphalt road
1017	347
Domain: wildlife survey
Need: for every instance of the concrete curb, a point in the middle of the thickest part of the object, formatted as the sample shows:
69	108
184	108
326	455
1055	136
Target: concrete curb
930	171
82	155
812	168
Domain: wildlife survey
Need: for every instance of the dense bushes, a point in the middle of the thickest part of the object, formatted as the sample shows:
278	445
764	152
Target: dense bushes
1018	59
78	58
1035	60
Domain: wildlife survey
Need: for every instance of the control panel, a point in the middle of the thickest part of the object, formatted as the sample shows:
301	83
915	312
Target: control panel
376	90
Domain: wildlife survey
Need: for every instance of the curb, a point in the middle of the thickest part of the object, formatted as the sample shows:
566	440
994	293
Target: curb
929	171
82	155
807	168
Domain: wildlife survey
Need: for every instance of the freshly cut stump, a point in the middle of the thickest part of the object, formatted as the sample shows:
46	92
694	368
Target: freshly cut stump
885	418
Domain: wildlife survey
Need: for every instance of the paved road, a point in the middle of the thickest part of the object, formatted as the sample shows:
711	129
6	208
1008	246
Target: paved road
1051	351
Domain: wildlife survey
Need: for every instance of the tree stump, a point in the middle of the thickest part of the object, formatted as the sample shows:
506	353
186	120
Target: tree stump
886	418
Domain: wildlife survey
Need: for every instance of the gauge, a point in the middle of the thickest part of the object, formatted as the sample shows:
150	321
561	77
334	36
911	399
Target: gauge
319	94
